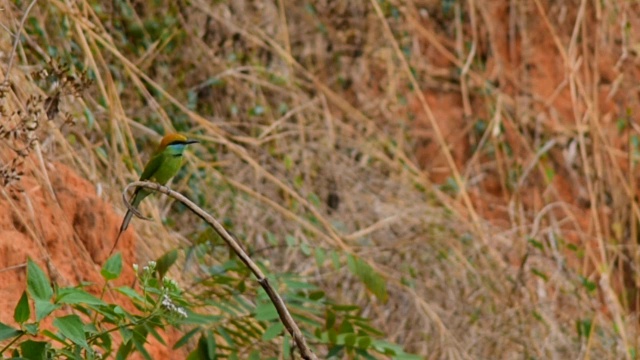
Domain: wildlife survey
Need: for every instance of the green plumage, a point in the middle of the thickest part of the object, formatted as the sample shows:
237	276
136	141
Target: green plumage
162	166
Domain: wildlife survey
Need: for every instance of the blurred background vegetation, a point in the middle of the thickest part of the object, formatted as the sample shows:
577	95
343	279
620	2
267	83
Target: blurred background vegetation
453	179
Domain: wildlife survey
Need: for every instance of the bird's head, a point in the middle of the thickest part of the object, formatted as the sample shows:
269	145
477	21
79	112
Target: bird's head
174	143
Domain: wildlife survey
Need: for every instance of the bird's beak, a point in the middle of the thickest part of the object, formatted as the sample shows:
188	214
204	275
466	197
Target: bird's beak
191	142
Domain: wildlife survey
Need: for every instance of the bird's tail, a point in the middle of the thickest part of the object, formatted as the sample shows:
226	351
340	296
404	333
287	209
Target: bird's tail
135	201
126	220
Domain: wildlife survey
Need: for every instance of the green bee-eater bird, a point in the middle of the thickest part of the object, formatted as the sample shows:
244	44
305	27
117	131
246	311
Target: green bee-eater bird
164	164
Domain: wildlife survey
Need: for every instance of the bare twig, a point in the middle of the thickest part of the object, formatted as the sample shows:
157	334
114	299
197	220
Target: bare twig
277	301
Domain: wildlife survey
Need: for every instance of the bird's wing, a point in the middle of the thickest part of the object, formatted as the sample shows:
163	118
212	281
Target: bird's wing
152	166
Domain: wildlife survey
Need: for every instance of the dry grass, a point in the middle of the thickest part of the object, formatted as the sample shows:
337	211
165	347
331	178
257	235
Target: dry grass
534	234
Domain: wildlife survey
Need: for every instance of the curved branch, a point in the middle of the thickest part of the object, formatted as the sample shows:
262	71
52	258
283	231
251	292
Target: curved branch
283	312
130	207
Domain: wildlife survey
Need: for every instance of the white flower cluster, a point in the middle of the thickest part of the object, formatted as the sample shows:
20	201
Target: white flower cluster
150	267
170	284
169	305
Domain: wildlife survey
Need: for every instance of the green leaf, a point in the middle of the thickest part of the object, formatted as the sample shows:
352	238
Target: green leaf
320	256
139	340
211	343
206	348
335	260
311	321
305	249
43	308
266	312
540	274
286	345
91	329
7	332
130	293
346	327
34	350
31	328
164	263
225	335
22	310
55	337
194	355
584	327
299	285
290	240
126	334
314	199
199	319
364	342
273	331
112	267
351	263
330	319
386	347
102	153
621	124
350	340
183	340
72	327
335	351
37	282
316	295
536	244
104	340
549	174
371	279
288	162
125	349
149	326
77	296
271	238
345	308
364	327
91	120
588	284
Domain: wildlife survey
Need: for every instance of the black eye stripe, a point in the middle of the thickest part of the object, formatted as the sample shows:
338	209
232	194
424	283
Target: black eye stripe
182	142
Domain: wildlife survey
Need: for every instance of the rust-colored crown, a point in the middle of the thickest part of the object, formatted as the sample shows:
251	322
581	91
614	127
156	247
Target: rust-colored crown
170	139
